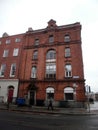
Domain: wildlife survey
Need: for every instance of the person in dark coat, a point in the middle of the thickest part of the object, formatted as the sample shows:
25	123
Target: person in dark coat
50	105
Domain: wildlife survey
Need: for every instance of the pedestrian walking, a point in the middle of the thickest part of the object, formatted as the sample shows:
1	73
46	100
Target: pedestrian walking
50	105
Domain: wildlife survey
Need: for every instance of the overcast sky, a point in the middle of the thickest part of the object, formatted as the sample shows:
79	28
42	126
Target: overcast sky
17	15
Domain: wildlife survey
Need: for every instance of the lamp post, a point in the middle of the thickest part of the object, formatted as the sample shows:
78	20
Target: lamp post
87	94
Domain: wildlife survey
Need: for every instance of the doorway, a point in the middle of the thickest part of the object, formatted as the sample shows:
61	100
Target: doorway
32	98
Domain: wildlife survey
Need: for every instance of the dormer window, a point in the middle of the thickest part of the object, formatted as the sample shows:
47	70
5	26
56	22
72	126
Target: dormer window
67	38
51	39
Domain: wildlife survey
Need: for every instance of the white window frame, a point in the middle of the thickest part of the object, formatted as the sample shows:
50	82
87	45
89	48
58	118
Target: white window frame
67	52
50	70
67	38
13	70
15	51
8	41
2	70
51	39
17	40
5	53
49	93
36	42
35	55
34	72
68	70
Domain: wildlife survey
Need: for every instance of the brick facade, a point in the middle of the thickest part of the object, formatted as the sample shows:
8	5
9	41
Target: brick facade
10	53
49	64
56	84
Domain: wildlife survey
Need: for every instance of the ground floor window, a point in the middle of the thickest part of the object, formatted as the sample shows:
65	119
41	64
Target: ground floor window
69	93
69	96
50	93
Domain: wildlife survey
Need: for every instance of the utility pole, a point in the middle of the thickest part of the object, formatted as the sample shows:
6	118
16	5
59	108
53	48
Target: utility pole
87	94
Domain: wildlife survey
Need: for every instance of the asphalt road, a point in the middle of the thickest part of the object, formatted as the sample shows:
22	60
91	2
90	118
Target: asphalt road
27	121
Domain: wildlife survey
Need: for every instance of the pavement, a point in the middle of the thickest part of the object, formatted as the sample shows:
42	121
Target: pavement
43	110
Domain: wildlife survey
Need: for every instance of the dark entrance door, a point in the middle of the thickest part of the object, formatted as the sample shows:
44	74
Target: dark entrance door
32	95
10	93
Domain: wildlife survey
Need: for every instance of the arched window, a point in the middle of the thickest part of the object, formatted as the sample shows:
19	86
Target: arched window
69	93
51	64
50	93
51	54
35	55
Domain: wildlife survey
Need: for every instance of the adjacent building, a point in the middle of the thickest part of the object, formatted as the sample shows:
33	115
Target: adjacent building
10	53
52	65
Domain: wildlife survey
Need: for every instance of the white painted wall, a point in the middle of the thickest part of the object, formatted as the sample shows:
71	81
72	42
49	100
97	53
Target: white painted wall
4	83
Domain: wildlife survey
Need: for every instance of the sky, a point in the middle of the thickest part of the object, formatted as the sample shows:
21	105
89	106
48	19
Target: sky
16	16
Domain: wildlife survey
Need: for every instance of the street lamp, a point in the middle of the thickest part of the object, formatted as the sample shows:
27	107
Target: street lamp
87	94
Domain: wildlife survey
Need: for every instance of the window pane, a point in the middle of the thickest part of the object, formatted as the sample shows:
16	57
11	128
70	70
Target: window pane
51	39
33	72
8	41
68	67
13	70
2	70
67	52
51	68
17	40
36	42
5	54
35	55
15	52
68	70
51	54
67	38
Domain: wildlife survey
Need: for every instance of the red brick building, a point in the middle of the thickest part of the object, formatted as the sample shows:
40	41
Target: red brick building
10	52
52	65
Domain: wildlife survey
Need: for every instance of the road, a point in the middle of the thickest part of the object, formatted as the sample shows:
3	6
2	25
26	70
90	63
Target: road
27	121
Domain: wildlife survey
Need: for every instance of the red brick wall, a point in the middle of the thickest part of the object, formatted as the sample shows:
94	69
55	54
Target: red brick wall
10	59
59	46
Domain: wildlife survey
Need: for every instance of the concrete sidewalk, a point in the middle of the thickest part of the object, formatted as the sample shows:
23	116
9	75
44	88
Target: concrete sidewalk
43	110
